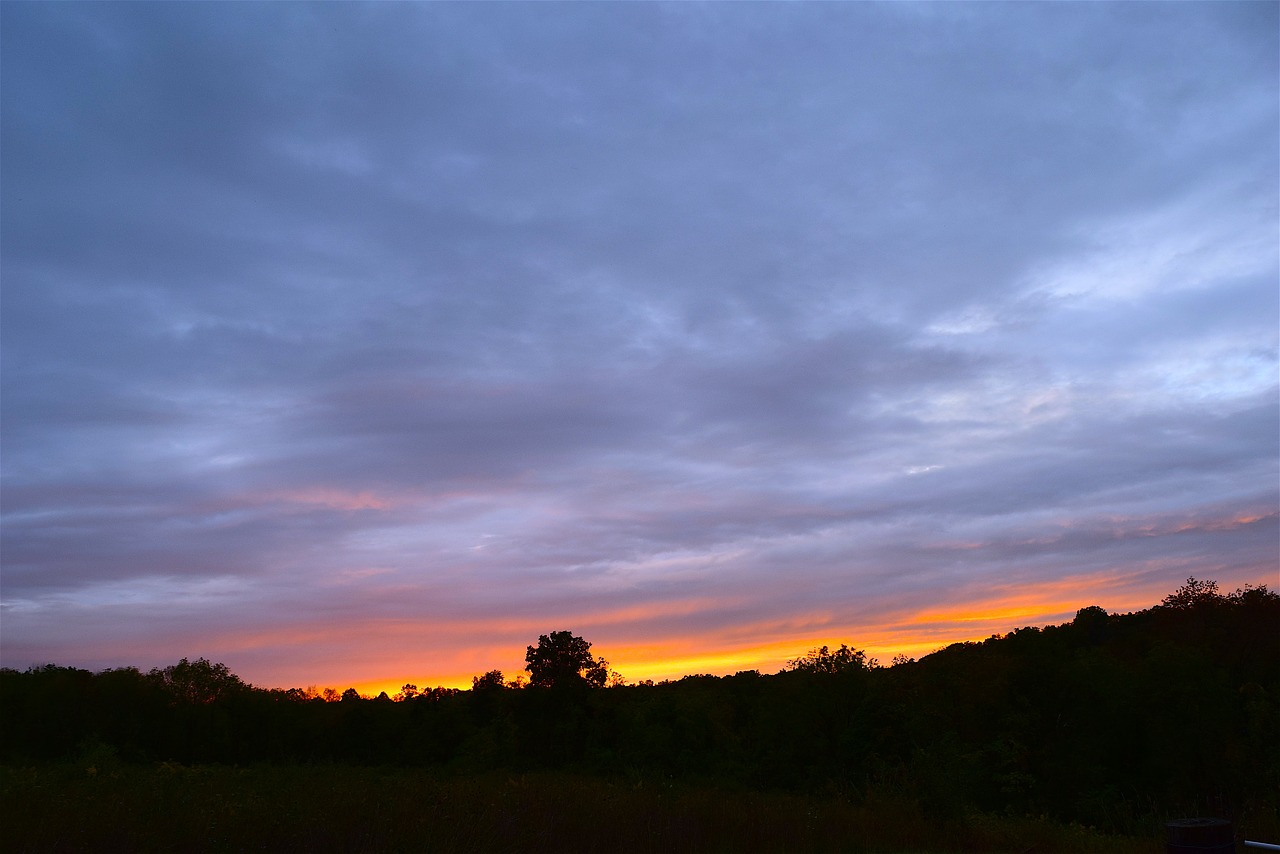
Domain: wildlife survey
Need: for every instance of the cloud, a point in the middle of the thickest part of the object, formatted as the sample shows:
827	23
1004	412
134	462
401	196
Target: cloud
712	329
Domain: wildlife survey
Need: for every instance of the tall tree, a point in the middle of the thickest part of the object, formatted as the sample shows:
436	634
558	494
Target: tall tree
197	682
562	659
824	660
1194	592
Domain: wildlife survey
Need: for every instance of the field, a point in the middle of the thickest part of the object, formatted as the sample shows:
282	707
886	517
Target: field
110	806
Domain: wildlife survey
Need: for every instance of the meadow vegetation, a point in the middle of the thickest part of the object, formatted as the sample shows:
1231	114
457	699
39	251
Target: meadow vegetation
1086	736
323	808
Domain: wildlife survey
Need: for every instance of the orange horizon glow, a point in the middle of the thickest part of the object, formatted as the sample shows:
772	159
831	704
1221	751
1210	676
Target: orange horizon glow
911	632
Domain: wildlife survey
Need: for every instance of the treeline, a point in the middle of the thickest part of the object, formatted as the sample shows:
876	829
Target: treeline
1107	720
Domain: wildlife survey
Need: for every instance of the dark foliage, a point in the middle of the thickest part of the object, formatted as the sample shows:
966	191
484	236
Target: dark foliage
1113	721
344	808
563	660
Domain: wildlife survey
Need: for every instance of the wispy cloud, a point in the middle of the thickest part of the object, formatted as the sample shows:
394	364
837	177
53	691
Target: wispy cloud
343	342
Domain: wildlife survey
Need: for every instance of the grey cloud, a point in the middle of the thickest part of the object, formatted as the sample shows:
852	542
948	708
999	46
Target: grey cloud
473	293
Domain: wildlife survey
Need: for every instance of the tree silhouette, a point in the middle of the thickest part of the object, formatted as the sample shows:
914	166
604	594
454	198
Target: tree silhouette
198	682
487	682
1092	622
1194	592
562	659
823	660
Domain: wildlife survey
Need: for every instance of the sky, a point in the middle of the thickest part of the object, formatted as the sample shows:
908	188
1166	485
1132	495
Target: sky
356	344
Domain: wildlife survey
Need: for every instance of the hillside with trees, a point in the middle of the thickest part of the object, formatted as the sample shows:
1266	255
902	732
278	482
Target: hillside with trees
1111	721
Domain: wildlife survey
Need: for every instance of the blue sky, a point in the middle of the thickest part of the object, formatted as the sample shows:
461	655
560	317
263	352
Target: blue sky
346	341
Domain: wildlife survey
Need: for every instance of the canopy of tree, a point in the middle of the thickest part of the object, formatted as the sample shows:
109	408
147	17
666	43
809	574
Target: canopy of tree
564	660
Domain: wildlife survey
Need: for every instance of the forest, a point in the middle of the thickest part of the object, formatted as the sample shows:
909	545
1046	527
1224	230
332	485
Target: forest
1066	737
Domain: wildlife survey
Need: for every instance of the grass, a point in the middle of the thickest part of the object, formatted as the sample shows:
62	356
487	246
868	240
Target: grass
116	807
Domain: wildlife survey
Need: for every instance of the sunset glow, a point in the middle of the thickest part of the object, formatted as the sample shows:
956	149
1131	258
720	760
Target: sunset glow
909	634
360	344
